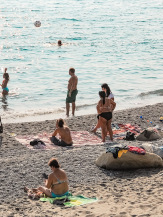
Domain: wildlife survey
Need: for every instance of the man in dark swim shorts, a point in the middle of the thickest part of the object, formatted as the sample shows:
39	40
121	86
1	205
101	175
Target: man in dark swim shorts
72	91
72	98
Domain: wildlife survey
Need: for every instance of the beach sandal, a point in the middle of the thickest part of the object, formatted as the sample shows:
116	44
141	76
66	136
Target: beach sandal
61	202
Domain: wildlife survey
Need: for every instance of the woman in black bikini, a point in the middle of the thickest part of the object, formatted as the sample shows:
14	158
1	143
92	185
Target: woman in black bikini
56	184
104	108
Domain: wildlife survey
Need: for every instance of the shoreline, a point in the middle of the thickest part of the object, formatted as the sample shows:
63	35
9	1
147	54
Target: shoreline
119	193
54	116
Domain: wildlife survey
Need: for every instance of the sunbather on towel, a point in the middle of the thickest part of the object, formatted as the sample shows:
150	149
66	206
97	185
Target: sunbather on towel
57	183
64	133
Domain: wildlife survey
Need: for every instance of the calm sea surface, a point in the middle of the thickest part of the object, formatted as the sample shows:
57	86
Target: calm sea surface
119	42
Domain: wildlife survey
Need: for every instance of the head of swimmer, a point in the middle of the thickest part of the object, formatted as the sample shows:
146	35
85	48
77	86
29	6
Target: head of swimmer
6	75
59	42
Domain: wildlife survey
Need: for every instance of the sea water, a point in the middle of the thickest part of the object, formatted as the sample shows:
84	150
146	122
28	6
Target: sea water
118	42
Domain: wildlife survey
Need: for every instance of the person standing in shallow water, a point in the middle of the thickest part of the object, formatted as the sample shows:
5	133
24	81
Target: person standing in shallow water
5	89
72	92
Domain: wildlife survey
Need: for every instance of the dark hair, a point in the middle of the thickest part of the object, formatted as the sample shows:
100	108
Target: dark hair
53	163
108	91
60	122
59	42
102	95
6	76
72	70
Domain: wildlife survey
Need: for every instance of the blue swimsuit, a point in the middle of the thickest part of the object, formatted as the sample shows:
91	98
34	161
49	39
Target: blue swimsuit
6	88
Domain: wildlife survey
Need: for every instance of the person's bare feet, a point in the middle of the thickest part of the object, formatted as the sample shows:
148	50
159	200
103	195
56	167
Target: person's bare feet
93	130
26	189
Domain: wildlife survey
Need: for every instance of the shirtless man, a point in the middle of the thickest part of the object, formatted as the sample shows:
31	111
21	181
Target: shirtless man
72	91
64	133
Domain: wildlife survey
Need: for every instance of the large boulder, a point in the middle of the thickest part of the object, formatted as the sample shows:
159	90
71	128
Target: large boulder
153	148
129	161
149	134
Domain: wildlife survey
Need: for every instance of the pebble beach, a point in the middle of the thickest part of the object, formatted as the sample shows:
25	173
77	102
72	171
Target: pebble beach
120	193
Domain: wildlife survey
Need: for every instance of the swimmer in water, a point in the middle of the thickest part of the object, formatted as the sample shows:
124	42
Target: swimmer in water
5	89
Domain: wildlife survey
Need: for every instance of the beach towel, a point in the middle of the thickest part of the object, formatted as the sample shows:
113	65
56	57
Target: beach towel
120	130
79	138
72	200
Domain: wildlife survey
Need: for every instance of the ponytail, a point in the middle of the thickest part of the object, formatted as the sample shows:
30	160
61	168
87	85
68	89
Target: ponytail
102	95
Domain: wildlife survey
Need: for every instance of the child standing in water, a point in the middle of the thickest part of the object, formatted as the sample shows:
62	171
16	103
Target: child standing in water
5	89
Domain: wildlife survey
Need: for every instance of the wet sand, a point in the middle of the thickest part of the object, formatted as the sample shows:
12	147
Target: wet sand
120	193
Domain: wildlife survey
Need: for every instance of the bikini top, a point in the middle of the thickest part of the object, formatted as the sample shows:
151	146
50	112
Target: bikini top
58	182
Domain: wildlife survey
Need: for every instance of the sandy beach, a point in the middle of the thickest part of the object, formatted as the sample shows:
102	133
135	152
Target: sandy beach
120	193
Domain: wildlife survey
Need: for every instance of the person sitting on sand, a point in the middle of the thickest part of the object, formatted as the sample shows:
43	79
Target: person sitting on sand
56	185
5	89
64	133
105	108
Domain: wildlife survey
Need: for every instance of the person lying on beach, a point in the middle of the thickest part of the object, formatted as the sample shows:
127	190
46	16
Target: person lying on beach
109	95
56	185
105	108
64	133
5	89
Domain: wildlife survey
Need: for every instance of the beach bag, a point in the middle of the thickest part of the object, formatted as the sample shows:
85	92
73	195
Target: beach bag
1	126
129	136
36	142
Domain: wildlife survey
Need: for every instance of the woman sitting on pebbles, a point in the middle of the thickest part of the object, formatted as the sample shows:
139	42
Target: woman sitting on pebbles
105	108
56	184
64	133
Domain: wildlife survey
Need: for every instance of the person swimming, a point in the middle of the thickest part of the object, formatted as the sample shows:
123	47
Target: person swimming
5	89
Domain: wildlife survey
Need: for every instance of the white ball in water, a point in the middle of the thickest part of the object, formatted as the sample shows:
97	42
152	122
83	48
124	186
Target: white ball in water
37	23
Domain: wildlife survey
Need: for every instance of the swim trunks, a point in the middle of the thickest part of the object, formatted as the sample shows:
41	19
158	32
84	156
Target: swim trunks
106	115
71	98
6	88
58	142
59	195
